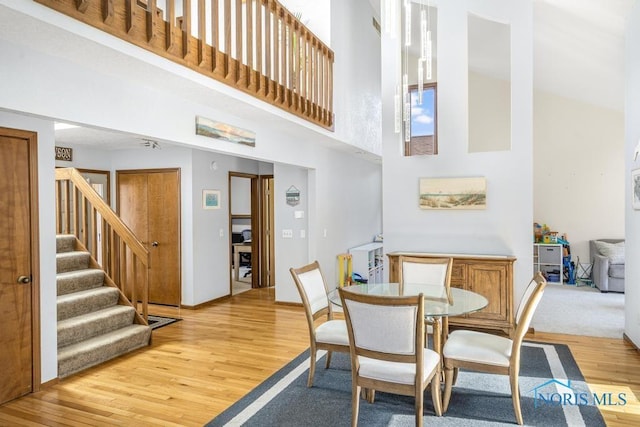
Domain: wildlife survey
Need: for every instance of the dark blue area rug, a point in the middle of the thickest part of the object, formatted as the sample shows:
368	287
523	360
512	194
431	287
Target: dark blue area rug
477	399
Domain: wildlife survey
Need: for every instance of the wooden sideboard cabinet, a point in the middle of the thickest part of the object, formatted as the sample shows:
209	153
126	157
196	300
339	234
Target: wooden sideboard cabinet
488	275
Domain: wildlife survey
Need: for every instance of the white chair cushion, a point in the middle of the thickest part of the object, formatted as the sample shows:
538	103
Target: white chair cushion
333	332
402	373
479	347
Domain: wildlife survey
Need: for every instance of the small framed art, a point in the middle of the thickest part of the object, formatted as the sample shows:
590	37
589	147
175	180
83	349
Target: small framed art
210	199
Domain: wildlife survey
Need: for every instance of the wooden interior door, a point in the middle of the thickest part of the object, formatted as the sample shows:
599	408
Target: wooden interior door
267	252
19	374
149	203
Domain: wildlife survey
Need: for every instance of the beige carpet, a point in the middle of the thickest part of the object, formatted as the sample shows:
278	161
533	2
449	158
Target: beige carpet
580	311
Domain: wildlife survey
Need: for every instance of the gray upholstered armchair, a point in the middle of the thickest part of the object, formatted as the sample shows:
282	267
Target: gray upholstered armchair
607	256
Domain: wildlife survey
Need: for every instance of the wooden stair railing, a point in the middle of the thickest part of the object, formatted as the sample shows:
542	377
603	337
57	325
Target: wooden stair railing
82	212
256	46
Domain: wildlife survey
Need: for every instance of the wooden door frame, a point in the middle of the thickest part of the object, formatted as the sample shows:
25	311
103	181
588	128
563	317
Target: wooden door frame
255	228
32	141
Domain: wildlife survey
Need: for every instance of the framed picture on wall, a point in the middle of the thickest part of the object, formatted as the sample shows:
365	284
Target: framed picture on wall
210	199
635	189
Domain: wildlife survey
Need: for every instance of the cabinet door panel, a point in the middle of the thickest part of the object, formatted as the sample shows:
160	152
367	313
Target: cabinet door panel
458	274
491	282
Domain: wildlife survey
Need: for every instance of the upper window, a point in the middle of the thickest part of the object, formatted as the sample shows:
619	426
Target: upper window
423	138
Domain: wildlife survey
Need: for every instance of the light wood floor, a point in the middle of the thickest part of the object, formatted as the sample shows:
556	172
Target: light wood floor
199	366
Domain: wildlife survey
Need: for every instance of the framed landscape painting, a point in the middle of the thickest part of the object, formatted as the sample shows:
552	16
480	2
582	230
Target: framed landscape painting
453	193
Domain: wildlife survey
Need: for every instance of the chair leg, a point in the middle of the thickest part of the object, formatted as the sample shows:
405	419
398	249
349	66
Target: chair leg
455	375
448	383
355	403
419	407
312	367
328	359
436	394
515	395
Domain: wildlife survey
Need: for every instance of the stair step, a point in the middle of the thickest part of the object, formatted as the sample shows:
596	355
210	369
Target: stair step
83	302
80	280
96	350
65	243
70	261
80	328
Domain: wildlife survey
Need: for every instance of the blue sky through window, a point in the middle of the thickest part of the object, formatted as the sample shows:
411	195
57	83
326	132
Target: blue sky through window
422	114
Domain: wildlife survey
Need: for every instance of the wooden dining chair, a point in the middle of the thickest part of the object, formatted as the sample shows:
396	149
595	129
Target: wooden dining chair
480	351
386	334
428	271
330	335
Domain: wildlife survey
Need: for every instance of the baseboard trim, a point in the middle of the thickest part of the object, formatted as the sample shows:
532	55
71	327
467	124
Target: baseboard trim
50	383
627	339
289	303
205	304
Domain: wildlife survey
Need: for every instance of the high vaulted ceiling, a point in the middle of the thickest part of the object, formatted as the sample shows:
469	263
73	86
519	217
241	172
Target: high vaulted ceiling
578	53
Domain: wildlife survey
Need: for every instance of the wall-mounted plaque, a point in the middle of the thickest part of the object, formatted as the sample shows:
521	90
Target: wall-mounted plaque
64	153
293	196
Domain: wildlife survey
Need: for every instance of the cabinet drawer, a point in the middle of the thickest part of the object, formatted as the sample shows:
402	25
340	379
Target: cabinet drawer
550	255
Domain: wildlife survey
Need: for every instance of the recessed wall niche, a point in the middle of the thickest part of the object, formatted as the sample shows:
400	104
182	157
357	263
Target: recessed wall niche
489	90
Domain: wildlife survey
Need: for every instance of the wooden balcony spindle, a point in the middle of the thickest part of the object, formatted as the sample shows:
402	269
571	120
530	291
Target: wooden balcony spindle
151	17
267	49
186	26
239	40
215	34
227	37
107	11
202	30
259	44
170	26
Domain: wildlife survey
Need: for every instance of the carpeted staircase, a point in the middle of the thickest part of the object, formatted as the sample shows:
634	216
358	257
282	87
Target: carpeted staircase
92	326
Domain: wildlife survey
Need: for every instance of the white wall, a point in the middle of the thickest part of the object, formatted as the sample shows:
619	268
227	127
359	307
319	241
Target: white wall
578	170
240	195
47	225
77	74
504	227
356	98
632	135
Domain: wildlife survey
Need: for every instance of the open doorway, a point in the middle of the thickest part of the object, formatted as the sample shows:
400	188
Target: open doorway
251	210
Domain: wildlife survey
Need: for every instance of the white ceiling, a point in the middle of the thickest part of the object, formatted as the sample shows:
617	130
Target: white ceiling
578	53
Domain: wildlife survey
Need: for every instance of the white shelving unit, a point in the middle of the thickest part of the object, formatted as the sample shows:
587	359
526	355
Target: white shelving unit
547	258
368	261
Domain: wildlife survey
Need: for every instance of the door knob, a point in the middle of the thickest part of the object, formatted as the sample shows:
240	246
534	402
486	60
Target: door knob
24	279
154	244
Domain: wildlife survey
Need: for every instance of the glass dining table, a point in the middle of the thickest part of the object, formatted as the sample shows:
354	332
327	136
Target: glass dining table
437	303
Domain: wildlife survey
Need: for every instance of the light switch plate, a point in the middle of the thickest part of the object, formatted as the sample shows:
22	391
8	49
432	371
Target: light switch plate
287	234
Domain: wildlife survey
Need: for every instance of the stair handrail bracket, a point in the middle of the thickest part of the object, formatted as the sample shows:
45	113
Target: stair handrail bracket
256	46
81	211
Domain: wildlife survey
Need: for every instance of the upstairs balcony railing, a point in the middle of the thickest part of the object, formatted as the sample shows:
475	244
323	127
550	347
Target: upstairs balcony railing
256	46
